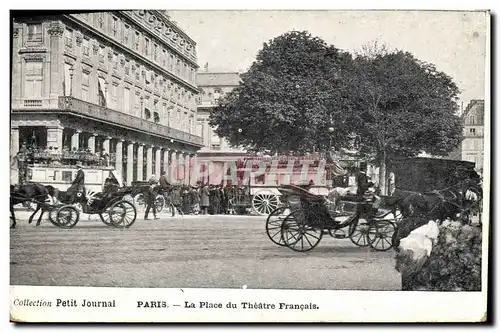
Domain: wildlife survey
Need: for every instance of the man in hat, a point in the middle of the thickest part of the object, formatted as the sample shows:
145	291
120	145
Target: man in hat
78	183
362	180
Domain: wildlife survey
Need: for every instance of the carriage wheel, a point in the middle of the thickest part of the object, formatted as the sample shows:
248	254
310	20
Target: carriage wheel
358	232
139	201
273	225
297	234
53	216
265	202
381	235
67	216
159	203
105	217
122	214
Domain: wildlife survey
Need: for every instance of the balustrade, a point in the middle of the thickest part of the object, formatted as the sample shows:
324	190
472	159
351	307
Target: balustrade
106	114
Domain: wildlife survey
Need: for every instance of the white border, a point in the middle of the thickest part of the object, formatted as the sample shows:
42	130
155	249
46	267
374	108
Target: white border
432	5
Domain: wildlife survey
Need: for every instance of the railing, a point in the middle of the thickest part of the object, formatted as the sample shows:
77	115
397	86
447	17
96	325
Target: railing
33	103
126	120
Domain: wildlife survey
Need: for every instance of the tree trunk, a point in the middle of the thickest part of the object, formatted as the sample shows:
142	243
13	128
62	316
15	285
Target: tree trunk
382	174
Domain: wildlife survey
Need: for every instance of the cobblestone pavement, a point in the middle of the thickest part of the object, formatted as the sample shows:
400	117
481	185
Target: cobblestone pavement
190	251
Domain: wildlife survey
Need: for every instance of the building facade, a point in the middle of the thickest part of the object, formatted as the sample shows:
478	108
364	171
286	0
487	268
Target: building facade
123	82
472	147
217	150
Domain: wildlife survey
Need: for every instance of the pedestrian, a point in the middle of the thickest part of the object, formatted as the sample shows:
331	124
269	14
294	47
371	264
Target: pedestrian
205	199
150	196
176	199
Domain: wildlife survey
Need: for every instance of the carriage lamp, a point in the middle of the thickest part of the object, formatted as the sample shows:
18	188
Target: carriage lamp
240	130
171	140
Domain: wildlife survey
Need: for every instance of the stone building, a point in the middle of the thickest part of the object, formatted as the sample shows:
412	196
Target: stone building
120	81
214	85
472	147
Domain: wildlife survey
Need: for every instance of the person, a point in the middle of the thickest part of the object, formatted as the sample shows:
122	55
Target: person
176	199
362	181
78	184
164	184
150	197
205	202
111	185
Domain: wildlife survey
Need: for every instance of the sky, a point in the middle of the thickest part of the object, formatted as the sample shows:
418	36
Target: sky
454	41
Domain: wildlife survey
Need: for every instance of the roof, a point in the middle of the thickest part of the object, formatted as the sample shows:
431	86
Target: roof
217	79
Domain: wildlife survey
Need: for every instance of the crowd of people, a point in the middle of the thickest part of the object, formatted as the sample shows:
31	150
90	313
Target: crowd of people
53	156
202	198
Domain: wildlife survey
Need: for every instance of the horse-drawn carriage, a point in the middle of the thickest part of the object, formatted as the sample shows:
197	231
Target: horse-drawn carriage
302	221
64	209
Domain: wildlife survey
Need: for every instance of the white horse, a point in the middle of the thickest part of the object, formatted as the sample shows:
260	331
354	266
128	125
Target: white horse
336	193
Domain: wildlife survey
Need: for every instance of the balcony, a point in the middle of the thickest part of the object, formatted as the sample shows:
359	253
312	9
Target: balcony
81	107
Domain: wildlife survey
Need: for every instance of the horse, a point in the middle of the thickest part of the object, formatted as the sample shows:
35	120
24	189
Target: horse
335	195
30	192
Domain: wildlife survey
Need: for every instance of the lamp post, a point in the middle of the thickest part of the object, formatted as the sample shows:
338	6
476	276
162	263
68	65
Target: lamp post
71	73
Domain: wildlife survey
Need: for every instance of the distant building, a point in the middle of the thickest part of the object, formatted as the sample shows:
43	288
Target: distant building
213	86
472	147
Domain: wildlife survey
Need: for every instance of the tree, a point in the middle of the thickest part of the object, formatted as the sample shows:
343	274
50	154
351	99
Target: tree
290	96
403	107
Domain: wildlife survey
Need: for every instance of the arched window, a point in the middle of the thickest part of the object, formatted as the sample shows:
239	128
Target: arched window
156	117
147	113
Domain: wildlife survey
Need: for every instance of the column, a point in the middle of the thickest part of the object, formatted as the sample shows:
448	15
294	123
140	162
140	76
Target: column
140	157
105	144
14	141
75	140
173	167
130	162
180	169
158	162
195	169
187	169
56	31
118	157
91	142
55	137
16	62
149	162
165	163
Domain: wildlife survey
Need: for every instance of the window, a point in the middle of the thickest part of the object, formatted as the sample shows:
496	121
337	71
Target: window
34	32
68	38
156	117
85	47
115	61
155	53
34	78
100	20
127	100
164	58
472	131
215	147
137	40
67	79
146	47
101	83
101	54
171	63
67	176
114	101
85	86
114	27
178	67
125	34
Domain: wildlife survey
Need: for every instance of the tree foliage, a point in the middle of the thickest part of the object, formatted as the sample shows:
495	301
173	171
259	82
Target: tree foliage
404	106
288	99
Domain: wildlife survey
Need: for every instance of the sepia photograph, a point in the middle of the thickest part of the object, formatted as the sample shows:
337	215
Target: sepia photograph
303	152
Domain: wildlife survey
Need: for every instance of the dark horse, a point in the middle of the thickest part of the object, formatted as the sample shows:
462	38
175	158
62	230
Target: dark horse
30	192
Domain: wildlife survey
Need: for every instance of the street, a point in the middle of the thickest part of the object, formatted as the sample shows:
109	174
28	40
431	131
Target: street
189	252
